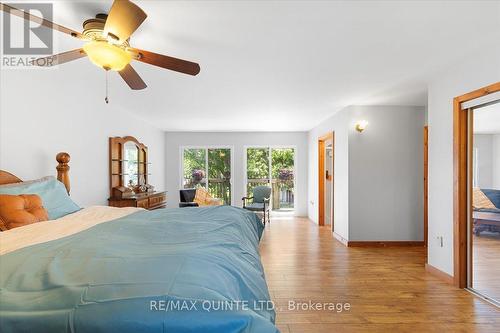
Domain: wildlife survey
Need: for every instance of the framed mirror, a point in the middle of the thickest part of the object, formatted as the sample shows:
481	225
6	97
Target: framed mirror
128	165
131	164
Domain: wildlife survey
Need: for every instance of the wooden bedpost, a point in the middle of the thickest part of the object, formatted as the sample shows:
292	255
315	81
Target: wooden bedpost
63	169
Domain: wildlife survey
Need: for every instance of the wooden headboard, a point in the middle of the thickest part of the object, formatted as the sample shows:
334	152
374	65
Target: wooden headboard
62	172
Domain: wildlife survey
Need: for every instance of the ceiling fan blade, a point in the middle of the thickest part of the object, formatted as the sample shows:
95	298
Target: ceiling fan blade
58	59
132	78
163	61
123	19
39	20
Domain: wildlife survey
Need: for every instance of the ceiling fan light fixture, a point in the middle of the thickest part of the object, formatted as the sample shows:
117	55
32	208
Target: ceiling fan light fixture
107	38
106	55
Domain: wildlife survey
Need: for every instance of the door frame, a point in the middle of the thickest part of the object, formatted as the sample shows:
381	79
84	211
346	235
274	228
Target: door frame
321	179
462	180
296	194
426	186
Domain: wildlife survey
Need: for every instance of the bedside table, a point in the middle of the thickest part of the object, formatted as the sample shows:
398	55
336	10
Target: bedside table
150	201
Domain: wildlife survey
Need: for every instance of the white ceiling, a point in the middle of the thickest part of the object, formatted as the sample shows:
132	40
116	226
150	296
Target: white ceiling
288	65
487	119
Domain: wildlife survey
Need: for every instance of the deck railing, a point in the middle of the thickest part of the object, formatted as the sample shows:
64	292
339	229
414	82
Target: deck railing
282	193
218	188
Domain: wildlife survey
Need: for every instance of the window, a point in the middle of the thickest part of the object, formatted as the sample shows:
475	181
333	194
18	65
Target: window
210	168
273	167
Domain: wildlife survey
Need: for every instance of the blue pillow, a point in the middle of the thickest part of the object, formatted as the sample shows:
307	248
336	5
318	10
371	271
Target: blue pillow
54	196
494	196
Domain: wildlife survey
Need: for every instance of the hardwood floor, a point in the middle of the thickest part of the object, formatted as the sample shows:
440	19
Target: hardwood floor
486	264
387	288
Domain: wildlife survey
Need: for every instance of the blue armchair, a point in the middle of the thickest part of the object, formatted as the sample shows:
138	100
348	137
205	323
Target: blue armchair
260	201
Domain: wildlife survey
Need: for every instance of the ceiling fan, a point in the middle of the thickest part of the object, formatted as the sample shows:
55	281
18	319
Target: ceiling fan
107	38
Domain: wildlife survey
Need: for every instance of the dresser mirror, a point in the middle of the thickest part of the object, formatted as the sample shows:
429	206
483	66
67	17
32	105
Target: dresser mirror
129	175
131	164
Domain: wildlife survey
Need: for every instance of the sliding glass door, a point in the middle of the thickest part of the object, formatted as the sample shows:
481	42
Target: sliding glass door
209	168
274	167
257	167
484	227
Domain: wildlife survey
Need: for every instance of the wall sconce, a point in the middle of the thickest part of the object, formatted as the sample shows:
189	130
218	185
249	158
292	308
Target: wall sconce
361	125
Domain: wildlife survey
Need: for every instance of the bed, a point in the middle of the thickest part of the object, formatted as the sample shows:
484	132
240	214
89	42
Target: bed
486	210
106	269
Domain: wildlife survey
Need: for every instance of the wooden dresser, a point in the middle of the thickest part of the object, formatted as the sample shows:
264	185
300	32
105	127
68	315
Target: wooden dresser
153	200
129	175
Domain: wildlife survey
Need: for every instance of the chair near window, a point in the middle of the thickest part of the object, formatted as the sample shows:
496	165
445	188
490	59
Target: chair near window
260	201
187	198
198	197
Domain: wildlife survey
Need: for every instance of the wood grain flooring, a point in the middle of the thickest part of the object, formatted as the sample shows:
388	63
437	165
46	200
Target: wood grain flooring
486	264
387	289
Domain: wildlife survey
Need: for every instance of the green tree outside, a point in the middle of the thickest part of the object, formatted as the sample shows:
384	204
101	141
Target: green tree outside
219	170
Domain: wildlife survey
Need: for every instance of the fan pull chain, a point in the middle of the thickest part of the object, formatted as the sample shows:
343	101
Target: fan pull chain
106	99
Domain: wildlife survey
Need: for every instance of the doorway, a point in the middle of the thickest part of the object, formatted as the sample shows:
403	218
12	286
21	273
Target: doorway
208	167
273	167
326	156
476	193
484	227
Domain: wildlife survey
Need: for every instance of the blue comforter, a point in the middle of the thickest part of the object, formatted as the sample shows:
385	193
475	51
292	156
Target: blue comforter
169	270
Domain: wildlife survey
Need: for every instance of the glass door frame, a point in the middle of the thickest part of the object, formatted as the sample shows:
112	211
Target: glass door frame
271	147
471	164
470	176
206	147
461	180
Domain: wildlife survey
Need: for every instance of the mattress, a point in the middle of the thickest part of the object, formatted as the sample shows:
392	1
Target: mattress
104	269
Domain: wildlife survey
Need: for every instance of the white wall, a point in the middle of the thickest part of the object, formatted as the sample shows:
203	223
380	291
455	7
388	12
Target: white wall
43	112
238	140
378	184
477	72
386	174
484	145
496	162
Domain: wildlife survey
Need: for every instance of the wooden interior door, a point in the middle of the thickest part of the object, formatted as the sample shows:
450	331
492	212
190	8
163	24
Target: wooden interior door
323	179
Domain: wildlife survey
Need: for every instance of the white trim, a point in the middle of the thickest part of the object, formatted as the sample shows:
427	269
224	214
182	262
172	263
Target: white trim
206	147
483	297
475	167
271	147
485	100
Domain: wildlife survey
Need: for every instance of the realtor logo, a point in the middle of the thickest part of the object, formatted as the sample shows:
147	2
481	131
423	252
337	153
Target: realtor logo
25	37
